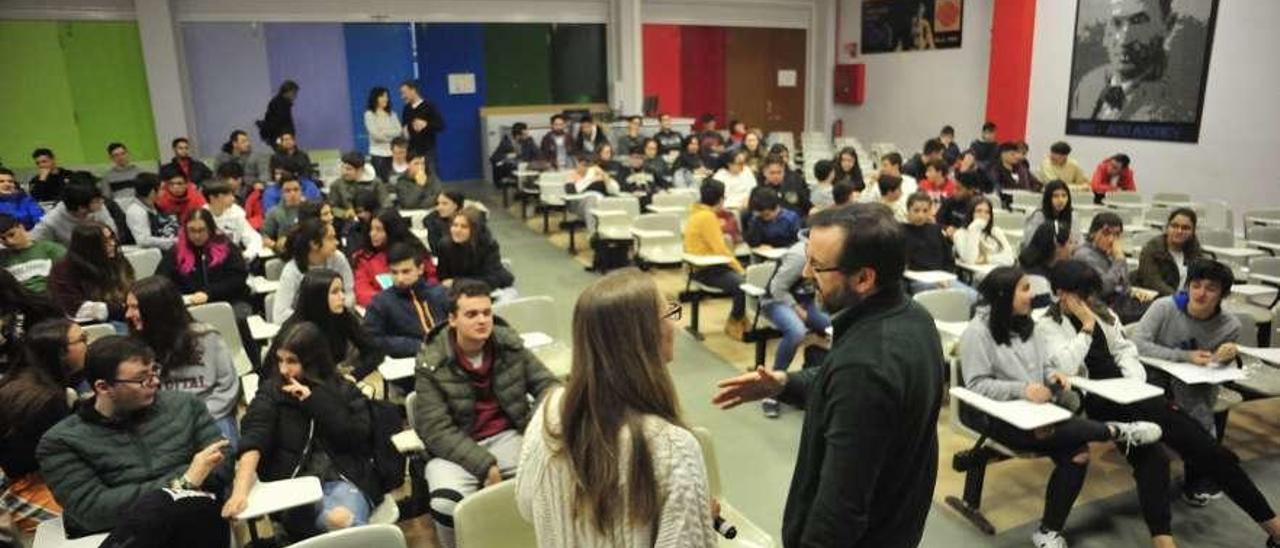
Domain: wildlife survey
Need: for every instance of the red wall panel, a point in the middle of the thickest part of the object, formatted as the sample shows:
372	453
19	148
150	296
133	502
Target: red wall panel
1009	77
702	60
663	76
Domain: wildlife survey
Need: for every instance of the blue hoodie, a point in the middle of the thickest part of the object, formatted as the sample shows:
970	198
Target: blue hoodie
22	207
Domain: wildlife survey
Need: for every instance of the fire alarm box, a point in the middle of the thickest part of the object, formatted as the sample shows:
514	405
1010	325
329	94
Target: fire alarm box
850	84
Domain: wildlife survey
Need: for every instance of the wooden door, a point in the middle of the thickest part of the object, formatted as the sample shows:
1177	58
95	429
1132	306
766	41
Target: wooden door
756	60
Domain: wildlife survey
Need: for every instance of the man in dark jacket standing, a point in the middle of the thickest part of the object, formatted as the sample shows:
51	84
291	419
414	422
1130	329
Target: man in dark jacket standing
134	461
474	380
868	456
279	117
422	121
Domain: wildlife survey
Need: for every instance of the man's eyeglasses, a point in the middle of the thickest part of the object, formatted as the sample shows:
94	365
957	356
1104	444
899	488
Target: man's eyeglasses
674	311
152	378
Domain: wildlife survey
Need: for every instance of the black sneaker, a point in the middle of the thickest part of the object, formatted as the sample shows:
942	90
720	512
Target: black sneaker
771	408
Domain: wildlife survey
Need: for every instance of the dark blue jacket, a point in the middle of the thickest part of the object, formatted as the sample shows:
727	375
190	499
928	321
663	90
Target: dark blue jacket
392	321
22	207
780	232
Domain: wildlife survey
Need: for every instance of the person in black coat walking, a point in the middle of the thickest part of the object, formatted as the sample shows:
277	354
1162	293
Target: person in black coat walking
279	116
308	420
471	252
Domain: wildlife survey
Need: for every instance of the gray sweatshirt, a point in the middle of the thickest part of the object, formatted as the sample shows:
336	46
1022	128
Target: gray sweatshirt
114	182
1115	274
58	224
790	268
1168	333
213	380
1003	372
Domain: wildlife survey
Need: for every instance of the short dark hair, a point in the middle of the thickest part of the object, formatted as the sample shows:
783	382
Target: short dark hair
1212	271
586	119
1007	146
841	192
635	118
711	192
822	169
353	159
366	199
1105	219
518	128
79	195
399	142
763	198
918	197
893	158
104	356
400	252
466	287
287	175
940	165
145	183
37	153
288	86
872	239
410	83
557	115
1122	159
216	188
933	146
1060	147
708	117
889	183
1076	277
773	159
170	171
6	171
231	170
969	179
988	126
7	222
948	130
176	140
114	145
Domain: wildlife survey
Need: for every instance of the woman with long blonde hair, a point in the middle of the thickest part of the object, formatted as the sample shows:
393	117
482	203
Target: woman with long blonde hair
607	460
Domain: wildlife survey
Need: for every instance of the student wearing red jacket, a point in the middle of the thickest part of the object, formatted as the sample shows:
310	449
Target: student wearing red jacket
1112	175
385	230
178	197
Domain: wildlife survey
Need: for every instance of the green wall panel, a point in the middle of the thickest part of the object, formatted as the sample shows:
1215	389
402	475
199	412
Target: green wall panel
517	64
578	64
36	110
109	87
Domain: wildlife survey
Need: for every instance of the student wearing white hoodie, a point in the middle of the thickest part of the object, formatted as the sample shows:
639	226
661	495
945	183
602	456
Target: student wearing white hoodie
982	242
231	219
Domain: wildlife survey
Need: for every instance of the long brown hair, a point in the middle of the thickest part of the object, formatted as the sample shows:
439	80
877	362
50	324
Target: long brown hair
619	377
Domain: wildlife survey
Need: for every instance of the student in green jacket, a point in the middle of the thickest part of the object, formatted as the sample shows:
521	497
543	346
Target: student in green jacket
28	260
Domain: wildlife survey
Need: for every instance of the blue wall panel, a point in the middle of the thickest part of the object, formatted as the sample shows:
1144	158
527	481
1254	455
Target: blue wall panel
314	56
379	54
230	83
445	49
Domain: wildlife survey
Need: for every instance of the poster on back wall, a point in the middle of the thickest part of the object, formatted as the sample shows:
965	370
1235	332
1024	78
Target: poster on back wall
908	25
1139	68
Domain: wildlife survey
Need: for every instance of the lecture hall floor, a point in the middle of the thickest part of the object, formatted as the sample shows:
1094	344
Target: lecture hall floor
756	455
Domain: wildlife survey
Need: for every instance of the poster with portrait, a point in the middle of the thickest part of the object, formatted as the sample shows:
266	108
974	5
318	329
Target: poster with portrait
1139	68
909	25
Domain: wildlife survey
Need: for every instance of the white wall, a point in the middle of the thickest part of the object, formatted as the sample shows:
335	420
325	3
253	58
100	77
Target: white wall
1240	131
910	96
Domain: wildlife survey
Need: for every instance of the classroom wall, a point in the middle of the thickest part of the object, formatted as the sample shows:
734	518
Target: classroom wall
314	55
230	81
1239	132
911	95
383	54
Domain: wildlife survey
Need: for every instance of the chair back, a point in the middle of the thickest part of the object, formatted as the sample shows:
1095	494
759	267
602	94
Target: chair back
144	261
1217	214
682	199
1267	266
1028	200
1265	234
626	204
658	221
946	305
1123	198
98	330
1009	220
1219	237
272	269
530	314
1081	196
1170	197
364	536
489	518
222	317
269	307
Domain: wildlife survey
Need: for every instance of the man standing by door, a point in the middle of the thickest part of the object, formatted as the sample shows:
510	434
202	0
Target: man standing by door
868	456
422	121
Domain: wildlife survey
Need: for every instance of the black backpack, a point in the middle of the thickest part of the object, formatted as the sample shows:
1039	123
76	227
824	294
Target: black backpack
387	461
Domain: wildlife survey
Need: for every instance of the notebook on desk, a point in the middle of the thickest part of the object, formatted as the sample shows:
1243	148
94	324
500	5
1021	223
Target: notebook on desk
1196	374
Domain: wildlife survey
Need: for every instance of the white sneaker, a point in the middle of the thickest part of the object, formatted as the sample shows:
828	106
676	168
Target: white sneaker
1137	433
1048	539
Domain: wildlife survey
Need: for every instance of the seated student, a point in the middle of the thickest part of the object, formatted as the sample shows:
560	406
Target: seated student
656	165
822	194
927	246
50	179
1048	246
1058	166
150	226
588	177
612	168
372	269
935	181
1112	175
141	463
950	151
401	315
205	265
355	235
312	244
637	179
954	211
230	219
982	242
753	146
689	166
273	192
281	219
632	138
736	179
194	170
316	209
1191	327
1004	357
239	150
771	224
709	135
309	420
414	188
20	308
342	191
737	133
399	158
512	150
16	203
557	145
621	401
890	165
704	234
178	197
793	191
288	154
792	306
667	137
1109	354
1054	206
439	219
33	398
891	196
117	182
28	260
1009	173
843	194
81	203
92	279
193	357
847	169
1104	252
590	136
474	382
470	251
930	152
323	301
1162	265
985	148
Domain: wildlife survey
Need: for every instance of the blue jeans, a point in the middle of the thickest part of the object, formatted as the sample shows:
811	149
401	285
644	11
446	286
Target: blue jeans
346	495
793	328
227	426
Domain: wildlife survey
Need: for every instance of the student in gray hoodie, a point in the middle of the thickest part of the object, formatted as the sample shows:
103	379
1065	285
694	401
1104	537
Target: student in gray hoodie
193	357
1189	326
791	305
80	202
1004	357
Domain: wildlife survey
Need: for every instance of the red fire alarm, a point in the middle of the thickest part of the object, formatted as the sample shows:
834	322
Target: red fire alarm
850	83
